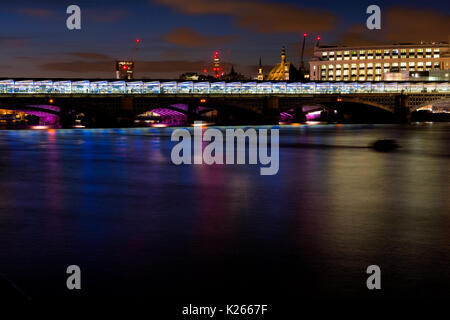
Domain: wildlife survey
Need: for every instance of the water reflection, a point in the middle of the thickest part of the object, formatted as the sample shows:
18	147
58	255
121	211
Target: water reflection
111	201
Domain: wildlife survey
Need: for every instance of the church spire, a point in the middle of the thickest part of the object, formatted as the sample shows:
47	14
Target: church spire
260	76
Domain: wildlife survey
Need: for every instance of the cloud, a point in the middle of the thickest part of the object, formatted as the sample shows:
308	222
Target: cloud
36	12
9	41
263	17
97	15
95	66
188	37
90	55
401	24
80	66
104	15
406	24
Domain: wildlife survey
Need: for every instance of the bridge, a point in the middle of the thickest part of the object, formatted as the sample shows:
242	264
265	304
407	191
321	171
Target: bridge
111	103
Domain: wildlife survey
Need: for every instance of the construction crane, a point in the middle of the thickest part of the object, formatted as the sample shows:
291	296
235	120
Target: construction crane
135	49
302	64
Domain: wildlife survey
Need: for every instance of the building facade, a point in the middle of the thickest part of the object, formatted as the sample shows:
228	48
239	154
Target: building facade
399	62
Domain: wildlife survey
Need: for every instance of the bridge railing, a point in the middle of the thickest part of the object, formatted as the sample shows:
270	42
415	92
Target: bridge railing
189	87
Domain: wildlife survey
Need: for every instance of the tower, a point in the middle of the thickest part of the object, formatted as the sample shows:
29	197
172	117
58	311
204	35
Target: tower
283	55
218	72
124	69
283	71
284	65
260	76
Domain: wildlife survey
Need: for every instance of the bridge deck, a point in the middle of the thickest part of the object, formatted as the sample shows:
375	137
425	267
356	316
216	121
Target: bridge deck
220	88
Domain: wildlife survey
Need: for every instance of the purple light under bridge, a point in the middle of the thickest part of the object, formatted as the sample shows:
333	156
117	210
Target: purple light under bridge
170	117
45	118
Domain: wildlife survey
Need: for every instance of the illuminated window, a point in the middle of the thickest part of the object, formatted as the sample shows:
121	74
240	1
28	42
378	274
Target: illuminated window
436	54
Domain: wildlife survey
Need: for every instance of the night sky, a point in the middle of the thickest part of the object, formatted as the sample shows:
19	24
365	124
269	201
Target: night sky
181	35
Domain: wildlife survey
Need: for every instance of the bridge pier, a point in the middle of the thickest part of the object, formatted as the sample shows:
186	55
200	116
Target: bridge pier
192	112
299	115
402	113
271	110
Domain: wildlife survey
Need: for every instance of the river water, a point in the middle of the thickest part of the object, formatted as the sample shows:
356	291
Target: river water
111	202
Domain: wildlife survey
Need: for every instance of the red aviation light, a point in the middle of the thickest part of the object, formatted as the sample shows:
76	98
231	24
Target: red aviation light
305	34
318	38
124	67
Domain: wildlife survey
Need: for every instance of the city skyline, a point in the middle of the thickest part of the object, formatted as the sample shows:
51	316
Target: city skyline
178	38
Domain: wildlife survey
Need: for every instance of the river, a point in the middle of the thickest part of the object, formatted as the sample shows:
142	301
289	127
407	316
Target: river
111	202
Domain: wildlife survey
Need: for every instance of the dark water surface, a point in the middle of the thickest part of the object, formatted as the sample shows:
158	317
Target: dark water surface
111	202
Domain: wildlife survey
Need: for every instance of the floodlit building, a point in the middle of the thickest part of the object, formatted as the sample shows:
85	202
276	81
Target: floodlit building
398	62
283	71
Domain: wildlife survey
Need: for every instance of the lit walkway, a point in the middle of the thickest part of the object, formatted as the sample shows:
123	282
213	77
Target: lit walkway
188	87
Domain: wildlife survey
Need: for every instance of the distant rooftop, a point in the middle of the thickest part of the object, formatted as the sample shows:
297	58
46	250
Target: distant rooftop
422	43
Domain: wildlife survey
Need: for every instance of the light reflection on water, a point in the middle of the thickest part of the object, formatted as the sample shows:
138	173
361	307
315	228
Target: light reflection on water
110	201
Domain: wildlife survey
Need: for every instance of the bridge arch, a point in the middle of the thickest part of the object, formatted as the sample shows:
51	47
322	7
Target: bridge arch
344	100
445	100
47	114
